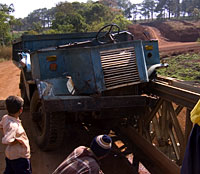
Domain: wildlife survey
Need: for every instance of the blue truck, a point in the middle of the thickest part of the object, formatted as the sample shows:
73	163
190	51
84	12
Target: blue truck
94	78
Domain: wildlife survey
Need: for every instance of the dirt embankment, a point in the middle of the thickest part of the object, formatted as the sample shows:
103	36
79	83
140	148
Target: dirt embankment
178	31
174	37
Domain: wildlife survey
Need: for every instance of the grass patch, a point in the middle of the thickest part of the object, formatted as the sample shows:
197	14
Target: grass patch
183	67
5	53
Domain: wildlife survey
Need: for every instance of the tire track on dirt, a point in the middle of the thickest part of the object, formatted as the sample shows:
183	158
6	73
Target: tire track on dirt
9	78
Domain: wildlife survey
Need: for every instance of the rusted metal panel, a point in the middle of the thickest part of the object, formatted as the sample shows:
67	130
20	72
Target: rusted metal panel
85	103
119	67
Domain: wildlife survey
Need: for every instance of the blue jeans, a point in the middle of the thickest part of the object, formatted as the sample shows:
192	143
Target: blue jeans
18	166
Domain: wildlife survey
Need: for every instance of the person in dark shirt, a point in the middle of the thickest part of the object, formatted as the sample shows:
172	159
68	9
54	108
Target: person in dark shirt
191	159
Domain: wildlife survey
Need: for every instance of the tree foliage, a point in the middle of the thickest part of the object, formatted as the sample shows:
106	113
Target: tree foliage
76	17
68	17
6	22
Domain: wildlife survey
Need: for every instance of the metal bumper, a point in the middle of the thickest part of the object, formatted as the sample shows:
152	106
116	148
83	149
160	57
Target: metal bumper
85	103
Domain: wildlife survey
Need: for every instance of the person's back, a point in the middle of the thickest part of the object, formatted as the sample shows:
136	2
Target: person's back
84	160
14	136
81	160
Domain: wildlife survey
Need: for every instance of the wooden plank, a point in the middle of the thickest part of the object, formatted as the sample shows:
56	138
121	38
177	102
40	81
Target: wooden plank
87	103
178	109
177	128
177	95
153	112
161	163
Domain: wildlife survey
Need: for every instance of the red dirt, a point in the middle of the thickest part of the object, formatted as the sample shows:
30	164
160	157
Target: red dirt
167	47
9	78
179	31
45	163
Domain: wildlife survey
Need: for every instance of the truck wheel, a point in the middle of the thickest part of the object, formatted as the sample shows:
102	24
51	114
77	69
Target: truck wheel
47	128
23	90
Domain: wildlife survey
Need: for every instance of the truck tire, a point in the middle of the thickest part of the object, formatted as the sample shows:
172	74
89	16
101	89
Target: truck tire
23	90
47	128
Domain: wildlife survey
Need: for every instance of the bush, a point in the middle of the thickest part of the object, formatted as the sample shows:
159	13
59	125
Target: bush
5	53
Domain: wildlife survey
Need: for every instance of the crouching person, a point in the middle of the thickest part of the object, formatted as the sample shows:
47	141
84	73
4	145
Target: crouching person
84	160
18	149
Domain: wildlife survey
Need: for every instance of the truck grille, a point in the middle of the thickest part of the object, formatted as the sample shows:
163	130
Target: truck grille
119	67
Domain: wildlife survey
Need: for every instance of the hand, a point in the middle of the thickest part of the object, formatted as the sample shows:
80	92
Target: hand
101	172
22	64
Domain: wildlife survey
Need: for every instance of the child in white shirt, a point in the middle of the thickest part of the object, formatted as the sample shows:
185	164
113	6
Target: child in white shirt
14	136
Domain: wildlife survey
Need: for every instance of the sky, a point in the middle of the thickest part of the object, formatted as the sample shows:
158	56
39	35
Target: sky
24	7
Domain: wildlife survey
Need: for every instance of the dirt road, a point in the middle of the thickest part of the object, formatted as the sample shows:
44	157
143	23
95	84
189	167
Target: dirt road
9	78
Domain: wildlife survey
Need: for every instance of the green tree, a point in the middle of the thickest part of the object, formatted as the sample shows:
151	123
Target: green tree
162	6
135	11
121	22
37	26
196	13
123	4
109	3
149	6
6	20
83	17
67	19
43	16
95	12
172	7
188	6
76	17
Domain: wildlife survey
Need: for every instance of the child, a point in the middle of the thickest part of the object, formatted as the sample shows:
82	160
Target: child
18	149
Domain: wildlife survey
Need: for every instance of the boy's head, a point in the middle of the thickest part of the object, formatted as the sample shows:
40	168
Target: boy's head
101	145
14	104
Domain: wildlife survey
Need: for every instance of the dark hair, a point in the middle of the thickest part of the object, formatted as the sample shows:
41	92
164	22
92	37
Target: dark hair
14	104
